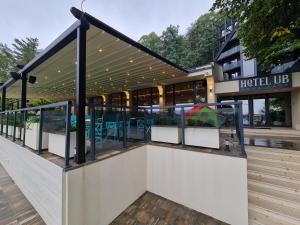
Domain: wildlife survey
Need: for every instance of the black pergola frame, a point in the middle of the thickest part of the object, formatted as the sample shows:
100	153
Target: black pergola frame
76	31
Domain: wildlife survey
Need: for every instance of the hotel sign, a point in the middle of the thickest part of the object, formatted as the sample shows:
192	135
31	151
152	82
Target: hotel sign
266	82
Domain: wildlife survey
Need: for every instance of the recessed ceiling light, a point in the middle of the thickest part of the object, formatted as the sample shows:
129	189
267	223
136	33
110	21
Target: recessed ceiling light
45	77
110	78
150	67
58	71
163	72
107	69
173	75
100	50
75	62
89	75
143	77
128	74
131	60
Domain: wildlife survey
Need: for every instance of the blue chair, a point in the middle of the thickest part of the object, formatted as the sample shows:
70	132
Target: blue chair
99	131
111	129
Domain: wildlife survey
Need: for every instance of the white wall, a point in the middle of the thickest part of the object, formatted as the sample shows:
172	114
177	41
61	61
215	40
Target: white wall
212	184
39	180
227	87
105	188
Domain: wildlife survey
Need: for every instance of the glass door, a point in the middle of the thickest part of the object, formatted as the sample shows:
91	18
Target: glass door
259	112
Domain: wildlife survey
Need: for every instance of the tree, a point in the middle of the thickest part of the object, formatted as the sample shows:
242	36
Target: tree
6	62
202	39
269	30
22	51
173	45
152	41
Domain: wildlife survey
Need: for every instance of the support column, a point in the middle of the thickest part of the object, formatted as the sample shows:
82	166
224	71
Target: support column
23	90
211	97
3	107
162	96
81	93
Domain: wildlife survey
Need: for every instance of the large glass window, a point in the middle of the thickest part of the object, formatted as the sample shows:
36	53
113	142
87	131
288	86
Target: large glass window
200	91
280	109
118	99
259	112
184	93
145	97
169	93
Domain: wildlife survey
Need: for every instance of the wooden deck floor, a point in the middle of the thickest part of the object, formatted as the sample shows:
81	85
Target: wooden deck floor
151	209
15	209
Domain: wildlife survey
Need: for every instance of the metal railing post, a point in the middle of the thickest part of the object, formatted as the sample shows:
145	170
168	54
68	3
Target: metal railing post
182	120
7	116
40	146
24	126
145	128
241	130
1	123
92	131
14	131
68	128
124	128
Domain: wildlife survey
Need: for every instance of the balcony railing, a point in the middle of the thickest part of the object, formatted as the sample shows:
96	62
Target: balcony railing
230	52
231	66
215	126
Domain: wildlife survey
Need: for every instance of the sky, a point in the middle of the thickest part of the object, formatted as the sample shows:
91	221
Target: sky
47	19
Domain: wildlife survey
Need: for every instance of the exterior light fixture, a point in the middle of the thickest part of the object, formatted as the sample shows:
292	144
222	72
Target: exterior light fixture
31	79
211	90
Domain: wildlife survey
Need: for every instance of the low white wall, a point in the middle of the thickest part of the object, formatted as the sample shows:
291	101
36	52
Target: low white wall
211	184
39	180
99	192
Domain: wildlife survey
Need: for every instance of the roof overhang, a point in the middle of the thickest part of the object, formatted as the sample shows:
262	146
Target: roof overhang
114	63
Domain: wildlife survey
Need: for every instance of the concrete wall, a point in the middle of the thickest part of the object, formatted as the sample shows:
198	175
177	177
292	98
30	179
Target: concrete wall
295	102
296	79
211	97
227	87
39	180
212	184
99	192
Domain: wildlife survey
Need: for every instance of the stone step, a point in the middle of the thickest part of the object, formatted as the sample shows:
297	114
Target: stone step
291	166
293	175
282	193
274	155
281	181
276	205
261	216
273	150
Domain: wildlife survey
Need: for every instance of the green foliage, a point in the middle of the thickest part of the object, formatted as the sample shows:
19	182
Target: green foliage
269	30
21	52
202	39
195	48
40	101
153	42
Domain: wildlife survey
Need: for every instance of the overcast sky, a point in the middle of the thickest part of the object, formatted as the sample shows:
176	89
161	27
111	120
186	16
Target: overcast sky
46	19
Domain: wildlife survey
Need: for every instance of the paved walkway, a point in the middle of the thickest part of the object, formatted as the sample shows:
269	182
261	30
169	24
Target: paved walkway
151	209
15	209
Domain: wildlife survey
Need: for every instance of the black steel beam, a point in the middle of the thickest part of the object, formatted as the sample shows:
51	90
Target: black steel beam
81	93
3	106
97	23
23	90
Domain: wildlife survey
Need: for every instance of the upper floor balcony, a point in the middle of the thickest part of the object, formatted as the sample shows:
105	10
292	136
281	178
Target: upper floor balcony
231	66
230	52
